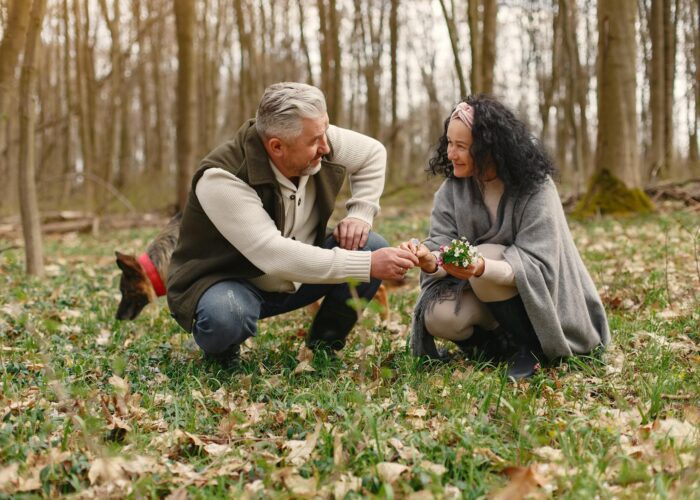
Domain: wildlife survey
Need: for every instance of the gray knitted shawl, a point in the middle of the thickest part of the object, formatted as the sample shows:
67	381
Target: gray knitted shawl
557	291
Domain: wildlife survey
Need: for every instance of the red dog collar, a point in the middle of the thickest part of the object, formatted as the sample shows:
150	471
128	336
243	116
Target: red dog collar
152	274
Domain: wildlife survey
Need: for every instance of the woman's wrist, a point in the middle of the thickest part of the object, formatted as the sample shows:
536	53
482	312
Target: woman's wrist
480	267
431	265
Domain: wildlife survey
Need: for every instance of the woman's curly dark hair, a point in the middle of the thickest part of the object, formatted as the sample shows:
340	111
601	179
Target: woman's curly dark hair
499	138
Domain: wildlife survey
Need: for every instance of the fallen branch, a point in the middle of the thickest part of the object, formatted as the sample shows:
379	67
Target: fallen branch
11	247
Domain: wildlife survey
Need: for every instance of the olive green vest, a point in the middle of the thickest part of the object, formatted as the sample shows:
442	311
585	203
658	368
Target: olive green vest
203	257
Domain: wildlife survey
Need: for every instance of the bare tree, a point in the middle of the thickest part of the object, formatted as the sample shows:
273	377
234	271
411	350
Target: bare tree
616	184
84	103
577	89
29	205
184	20
454	43
331	64
371	25
12	40
303	44
657	85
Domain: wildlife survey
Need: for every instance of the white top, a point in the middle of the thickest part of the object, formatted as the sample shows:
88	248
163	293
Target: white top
288	258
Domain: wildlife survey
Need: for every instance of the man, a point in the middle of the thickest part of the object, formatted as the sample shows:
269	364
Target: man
253	235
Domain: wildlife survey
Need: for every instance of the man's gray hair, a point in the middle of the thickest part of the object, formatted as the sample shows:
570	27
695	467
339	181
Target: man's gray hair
282	107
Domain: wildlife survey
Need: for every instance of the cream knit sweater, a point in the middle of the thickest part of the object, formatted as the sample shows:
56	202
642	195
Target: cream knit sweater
289	258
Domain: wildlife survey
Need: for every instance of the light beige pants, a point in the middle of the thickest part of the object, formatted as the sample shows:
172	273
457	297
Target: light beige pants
443	322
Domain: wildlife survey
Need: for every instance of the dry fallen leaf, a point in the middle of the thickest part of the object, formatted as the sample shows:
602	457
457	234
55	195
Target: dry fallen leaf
120	385
300	486
216	450
389	471
490	455
548	453
523	481
680	431
106	470
338	458
9	477
345	485
301	450
436	469
178	494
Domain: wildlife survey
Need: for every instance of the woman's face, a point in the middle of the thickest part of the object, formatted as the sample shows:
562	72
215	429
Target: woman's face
459	140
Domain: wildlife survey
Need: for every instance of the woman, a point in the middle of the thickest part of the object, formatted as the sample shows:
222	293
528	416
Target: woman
529	285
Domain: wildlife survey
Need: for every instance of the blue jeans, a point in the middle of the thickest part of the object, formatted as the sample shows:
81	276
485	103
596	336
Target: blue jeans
227	313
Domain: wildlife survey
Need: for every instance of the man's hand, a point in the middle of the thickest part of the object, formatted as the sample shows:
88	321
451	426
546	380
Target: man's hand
351	233
464	273
426	259
392	263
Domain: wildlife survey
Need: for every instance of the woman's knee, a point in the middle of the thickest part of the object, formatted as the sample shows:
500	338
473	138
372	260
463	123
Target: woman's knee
442	322
491	250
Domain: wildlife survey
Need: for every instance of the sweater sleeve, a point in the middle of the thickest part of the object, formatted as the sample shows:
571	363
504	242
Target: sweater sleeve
365	160
238	214
497	271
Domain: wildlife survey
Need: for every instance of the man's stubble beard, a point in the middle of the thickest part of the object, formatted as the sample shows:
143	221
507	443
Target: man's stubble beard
311	169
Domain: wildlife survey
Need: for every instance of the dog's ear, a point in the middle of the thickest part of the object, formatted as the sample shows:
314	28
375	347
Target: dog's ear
126	262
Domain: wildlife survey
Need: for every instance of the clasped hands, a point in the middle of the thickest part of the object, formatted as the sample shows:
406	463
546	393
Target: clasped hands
393	263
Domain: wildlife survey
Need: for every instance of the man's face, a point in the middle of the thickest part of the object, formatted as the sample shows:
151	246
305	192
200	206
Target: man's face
300	156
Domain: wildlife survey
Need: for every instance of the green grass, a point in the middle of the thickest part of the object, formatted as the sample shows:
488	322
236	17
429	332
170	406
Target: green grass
624	424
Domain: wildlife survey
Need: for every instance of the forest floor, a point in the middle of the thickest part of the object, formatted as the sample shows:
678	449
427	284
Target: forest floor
97	407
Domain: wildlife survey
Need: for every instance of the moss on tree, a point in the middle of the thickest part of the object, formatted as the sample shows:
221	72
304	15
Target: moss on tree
607	194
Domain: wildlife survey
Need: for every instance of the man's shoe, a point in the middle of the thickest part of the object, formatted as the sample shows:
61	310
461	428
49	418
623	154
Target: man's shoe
230	358
524	363
331	326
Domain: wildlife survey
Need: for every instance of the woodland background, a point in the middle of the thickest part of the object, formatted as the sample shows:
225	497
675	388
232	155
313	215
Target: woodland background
107	106
105	109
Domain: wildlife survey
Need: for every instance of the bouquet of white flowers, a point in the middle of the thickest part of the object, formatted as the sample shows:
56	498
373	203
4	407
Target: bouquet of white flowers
459	253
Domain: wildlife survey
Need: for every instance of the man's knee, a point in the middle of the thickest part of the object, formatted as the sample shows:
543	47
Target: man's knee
375	241
223	318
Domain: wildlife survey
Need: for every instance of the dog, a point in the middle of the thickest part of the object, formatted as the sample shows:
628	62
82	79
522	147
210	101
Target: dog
144	278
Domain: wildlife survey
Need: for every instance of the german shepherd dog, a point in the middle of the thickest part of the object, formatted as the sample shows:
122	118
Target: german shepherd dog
144	278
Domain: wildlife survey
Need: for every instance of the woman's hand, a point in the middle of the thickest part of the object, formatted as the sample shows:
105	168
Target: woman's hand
426	260
464	273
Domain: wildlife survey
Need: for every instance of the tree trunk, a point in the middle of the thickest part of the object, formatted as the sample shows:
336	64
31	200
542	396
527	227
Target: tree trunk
454	43
144	108
669	20
393	52
159	136
488	44
83	103
576	94
184	20
549	85
29	206
14	36
692	68
67	129
473	18
657	83
336	101
304	46
116	90
245	70
616	185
